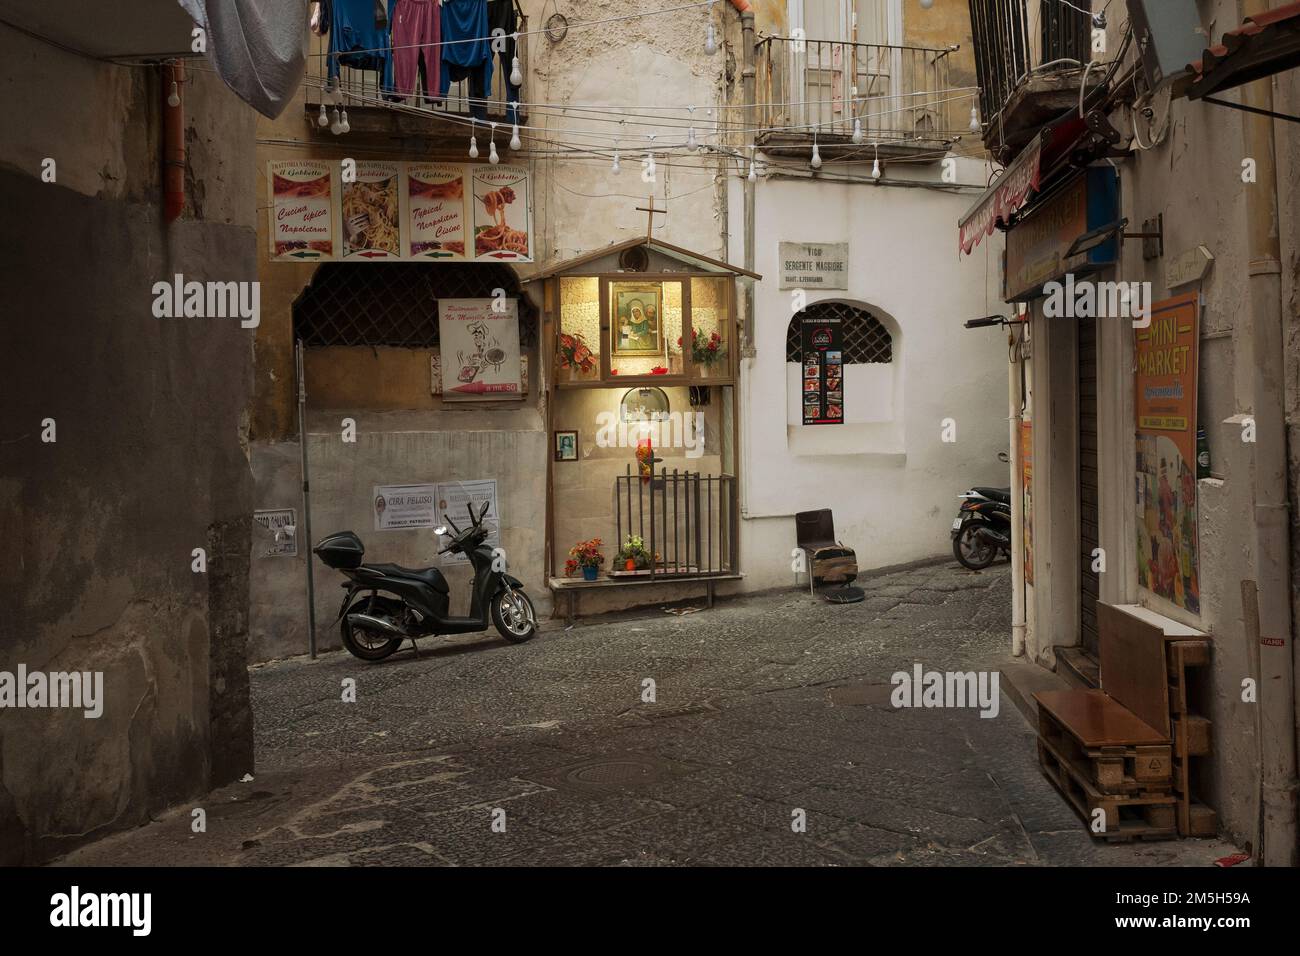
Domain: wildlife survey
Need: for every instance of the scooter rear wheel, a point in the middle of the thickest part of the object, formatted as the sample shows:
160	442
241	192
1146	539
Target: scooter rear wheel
968	549
513	615
364	643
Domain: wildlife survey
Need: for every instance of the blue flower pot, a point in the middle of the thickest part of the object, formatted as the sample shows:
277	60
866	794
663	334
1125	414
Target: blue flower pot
589	573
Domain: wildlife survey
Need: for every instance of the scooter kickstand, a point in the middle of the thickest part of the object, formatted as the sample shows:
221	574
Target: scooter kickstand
415	647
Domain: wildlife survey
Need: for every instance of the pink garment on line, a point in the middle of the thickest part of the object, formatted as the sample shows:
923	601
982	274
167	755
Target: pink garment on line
417	29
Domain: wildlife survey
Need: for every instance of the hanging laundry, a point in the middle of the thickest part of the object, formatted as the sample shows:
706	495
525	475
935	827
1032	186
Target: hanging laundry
417	29
467	51
501	16
356	42
320	17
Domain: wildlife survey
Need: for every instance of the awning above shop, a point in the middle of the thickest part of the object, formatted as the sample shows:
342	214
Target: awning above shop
693	260
1264	44
1019	183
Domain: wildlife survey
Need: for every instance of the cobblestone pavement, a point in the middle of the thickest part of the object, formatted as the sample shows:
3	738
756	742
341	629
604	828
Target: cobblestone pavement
764	705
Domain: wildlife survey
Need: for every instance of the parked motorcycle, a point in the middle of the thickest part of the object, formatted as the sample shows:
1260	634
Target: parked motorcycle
376	625
982	529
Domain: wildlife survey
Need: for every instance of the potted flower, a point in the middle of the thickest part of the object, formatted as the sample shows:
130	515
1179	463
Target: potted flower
585	555
574	354
706	352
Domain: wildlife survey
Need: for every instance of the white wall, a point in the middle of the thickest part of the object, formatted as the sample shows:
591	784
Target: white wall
892	484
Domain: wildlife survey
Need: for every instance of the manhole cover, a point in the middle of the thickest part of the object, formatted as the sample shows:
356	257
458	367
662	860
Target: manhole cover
625	771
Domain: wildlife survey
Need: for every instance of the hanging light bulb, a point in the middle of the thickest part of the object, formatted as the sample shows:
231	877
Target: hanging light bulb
875	168
650	164
616	168
710	38
493	158
174	97
857	131
323	119
753	173
473	145
346	126
974	119
516	68
336	127
816	156
515	141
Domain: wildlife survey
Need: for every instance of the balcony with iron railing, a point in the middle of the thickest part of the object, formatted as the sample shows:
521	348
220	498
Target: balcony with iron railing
1029	59
896	98
373	108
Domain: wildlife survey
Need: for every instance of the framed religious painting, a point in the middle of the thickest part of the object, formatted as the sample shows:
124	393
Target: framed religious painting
636	319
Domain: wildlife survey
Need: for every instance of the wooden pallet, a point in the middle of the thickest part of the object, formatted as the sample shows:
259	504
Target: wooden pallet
1127	817
1192	735
1104	743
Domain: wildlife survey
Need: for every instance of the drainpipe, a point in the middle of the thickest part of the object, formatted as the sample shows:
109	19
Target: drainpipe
1017	501
747	84
1271	526
173	74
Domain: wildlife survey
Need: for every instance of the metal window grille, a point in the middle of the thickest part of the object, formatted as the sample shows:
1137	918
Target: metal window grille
866	340
396	303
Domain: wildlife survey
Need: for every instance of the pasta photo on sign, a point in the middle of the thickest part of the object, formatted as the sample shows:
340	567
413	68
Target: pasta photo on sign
501	213
371	214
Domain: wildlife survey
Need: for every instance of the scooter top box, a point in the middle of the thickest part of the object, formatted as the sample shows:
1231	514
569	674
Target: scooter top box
341	551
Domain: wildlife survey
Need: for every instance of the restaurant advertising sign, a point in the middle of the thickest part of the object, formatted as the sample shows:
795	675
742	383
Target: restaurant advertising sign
303	198
1165	380
399	211
823	371
478	342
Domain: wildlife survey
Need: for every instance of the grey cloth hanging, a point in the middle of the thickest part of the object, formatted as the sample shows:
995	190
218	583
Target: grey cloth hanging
259	47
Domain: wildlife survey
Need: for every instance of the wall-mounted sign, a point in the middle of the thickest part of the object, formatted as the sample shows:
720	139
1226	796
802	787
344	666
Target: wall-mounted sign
1189	266
435	218
455	497
404	506
371	212
1165	382
478	345
1038	246
814	265
400	211
280	539
822	371
303	197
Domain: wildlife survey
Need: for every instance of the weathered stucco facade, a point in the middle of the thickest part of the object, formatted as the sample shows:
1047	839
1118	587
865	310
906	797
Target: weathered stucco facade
148	461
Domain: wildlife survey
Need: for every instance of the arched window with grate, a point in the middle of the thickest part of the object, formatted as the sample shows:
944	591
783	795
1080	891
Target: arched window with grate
396	303
871	393
866	340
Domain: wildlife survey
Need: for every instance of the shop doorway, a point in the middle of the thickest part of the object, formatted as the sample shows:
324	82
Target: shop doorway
1088	485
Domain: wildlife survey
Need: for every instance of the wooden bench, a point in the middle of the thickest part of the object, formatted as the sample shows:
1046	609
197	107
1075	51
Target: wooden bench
572	587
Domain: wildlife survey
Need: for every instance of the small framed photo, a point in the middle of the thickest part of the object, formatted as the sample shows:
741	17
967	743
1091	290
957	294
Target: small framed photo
566	446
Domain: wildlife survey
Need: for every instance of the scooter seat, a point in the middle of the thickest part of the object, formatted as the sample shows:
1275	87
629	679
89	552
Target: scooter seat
430	576
995	494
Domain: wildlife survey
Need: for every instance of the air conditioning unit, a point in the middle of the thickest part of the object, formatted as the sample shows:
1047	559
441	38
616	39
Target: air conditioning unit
1169	36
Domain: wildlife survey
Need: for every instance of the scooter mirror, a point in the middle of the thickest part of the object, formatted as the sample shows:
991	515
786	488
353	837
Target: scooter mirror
482	511
1003	457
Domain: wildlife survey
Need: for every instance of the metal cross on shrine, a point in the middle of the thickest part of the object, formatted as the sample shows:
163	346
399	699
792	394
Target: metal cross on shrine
650	216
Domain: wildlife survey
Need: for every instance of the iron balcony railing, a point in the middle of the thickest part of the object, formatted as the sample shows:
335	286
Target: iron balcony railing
688	520
358	90
1016	38
810	88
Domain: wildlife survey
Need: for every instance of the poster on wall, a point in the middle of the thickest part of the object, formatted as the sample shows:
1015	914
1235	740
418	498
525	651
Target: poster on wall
823	371
302	209
404	506
453	499
479	349
280	538
435	217
371	214
1027	497
1165	412
500	203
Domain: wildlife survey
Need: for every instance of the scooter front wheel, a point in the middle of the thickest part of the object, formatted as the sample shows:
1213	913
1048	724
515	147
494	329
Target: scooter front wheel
513	615
968	549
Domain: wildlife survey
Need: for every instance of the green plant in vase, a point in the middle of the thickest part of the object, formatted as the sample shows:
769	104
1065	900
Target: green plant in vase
634	556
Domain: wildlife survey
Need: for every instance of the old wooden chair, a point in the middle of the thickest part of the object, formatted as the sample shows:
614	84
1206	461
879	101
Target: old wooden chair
828	561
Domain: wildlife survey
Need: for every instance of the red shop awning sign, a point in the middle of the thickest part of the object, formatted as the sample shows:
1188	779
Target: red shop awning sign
1001	200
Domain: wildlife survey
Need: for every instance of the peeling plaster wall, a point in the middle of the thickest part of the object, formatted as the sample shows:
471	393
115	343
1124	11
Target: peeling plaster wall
149	461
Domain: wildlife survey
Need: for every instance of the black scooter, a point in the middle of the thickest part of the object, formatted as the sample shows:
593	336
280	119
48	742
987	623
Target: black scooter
982	529
376	625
